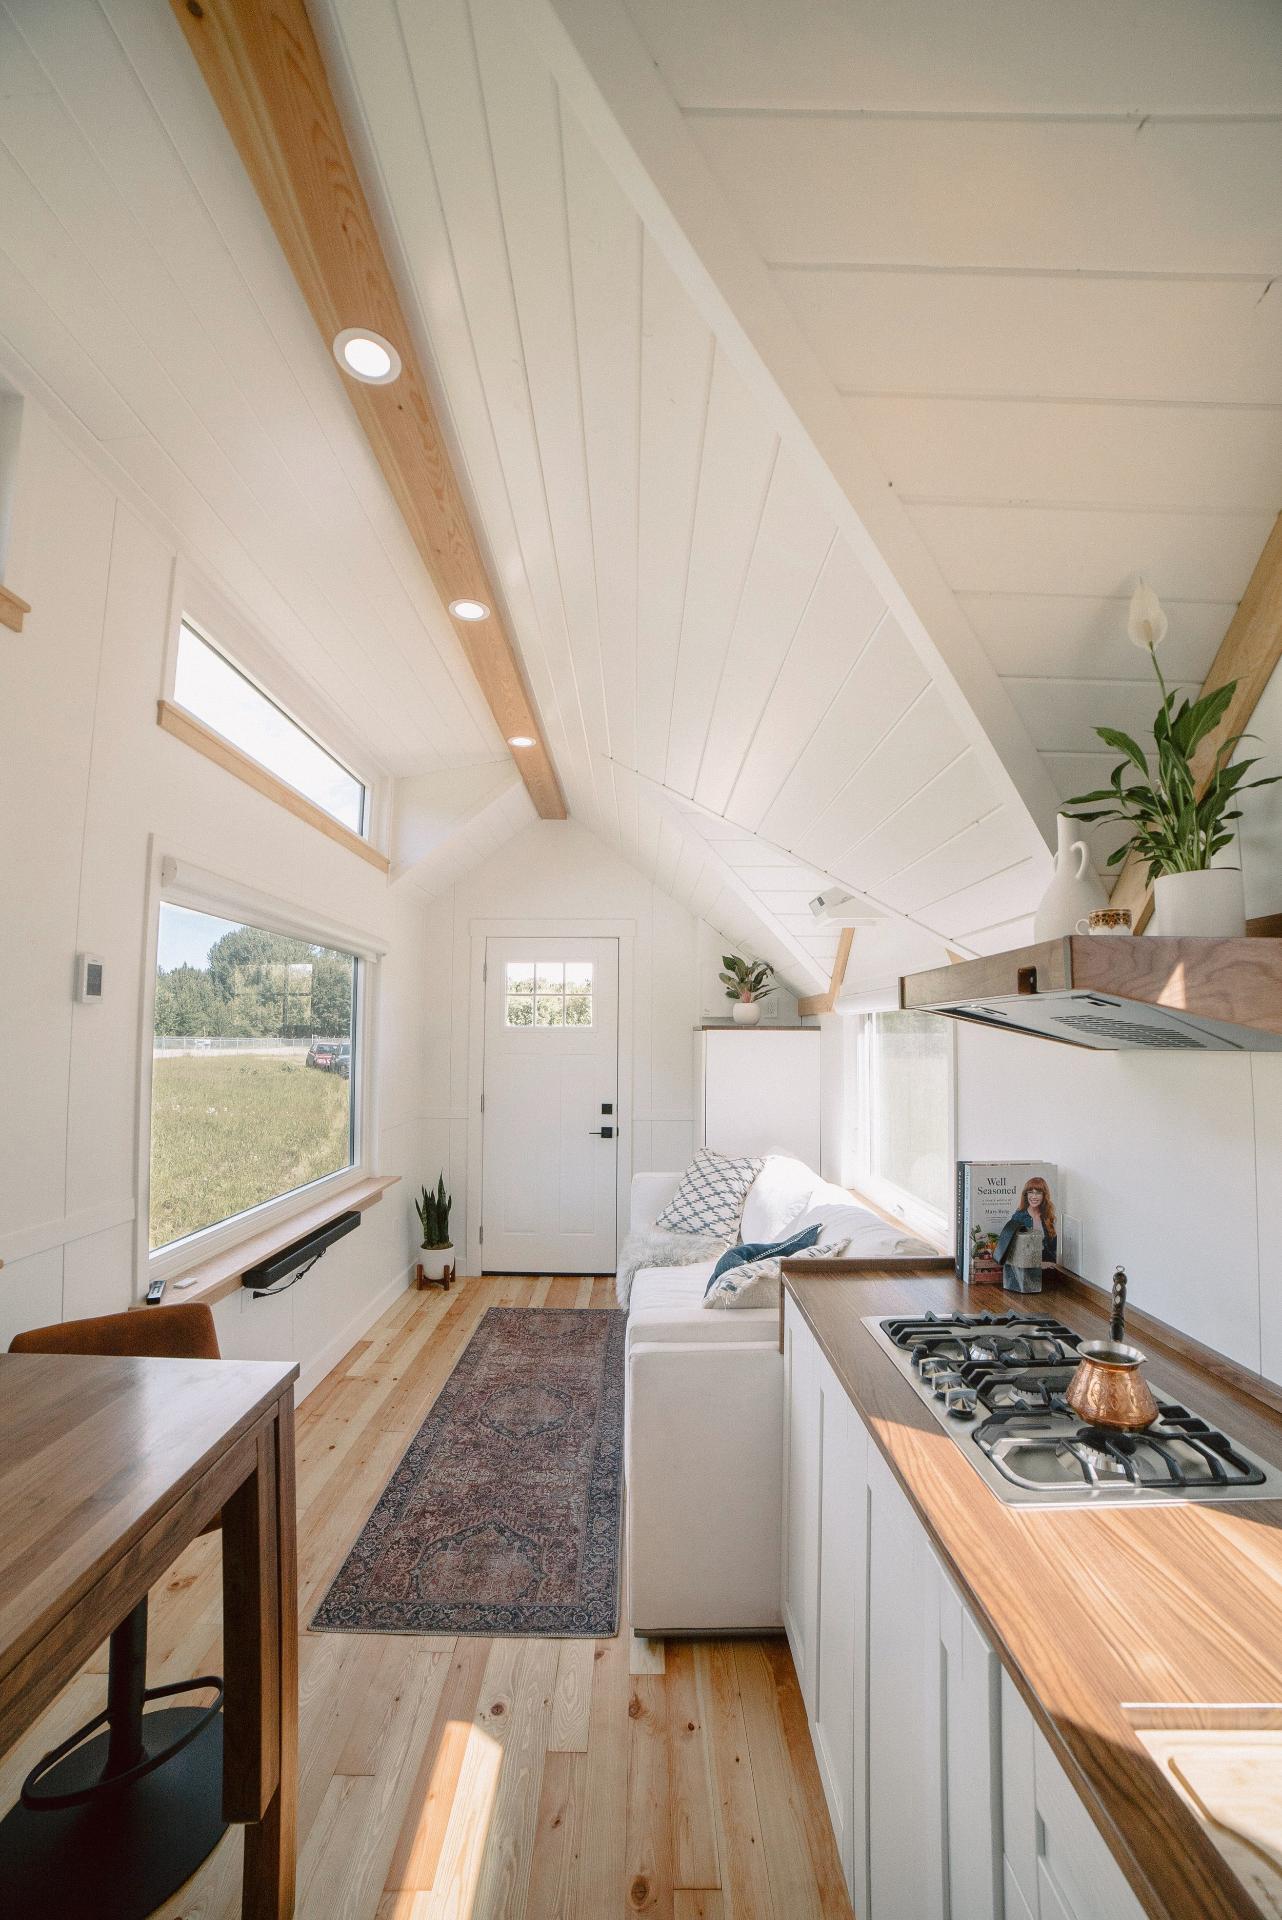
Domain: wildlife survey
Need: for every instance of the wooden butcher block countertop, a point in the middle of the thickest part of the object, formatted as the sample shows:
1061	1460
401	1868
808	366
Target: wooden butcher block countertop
1088	1608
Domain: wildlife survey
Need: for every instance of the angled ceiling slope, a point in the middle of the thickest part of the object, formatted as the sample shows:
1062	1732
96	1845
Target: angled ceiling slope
696	601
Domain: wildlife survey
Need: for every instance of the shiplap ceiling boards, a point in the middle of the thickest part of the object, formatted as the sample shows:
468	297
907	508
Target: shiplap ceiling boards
1037	251
713	653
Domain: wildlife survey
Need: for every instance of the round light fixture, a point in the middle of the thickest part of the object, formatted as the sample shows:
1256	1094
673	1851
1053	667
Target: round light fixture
519	740
367	356
469	610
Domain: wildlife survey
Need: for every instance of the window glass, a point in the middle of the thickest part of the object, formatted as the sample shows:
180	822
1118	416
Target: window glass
910	1084
549	993
253	1069
215	692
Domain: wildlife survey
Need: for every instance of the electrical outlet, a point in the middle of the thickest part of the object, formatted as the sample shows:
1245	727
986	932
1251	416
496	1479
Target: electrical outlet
1070	1243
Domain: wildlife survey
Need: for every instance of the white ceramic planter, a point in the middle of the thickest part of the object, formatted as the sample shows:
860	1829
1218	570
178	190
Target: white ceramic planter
1206	906
1074	893
435	1260
747	1013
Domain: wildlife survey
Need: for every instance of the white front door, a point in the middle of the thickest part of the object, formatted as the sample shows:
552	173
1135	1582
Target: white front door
551	1089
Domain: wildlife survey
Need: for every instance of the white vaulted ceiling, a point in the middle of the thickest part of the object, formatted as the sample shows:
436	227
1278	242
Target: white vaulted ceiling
728	694
821	376
1037	250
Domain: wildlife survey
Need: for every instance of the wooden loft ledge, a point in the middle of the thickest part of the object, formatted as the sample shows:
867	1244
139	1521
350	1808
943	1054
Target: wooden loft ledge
220	1274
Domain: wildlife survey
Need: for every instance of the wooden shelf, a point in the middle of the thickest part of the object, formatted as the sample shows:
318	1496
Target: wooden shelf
220	1273
12	610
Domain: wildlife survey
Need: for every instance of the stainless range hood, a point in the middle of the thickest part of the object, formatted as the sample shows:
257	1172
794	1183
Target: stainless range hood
1118	994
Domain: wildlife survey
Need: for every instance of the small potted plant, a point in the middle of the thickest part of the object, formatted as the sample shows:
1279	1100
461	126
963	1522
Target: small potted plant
433	1212
745	983
1179	812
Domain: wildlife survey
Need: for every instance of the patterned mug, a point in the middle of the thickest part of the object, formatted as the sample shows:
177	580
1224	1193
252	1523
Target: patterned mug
1106	920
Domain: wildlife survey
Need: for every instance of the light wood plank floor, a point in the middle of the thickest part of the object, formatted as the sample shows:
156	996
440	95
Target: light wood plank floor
466	1779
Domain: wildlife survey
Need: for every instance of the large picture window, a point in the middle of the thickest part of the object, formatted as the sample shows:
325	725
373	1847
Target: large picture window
253	1070
905	1135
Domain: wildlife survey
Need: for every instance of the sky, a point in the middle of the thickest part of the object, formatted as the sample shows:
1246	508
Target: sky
186	937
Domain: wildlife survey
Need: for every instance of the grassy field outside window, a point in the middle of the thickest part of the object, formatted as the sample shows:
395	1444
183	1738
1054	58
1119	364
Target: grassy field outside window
238	1116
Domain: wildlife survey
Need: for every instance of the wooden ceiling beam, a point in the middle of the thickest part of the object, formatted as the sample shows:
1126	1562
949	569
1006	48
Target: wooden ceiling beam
1249	652
264	68
825	1002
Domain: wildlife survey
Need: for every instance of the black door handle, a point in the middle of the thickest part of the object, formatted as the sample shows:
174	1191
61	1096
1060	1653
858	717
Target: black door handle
602	1133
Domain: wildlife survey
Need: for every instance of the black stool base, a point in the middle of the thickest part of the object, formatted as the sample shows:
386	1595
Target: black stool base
122	1854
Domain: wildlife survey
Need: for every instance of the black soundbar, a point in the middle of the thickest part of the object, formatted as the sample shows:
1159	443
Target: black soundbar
296	1258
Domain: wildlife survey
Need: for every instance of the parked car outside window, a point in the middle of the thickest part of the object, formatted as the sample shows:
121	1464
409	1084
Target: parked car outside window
321	1054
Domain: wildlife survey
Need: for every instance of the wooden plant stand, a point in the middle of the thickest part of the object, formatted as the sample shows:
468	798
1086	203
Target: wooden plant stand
422	1281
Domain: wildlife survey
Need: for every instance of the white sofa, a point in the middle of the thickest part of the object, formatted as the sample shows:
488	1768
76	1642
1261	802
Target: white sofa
704	1418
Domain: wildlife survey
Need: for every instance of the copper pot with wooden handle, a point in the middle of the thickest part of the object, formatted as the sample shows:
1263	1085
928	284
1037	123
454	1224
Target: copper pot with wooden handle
1109	1389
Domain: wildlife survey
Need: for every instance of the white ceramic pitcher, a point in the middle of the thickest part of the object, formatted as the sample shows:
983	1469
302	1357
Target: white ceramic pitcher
1075	890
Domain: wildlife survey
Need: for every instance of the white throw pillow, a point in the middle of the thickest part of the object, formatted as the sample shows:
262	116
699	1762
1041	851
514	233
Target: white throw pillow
711	1196
868	1235
757	1283
779	1193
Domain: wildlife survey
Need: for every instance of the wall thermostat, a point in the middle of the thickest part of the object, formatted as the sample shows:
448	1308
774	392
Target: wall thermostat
88	976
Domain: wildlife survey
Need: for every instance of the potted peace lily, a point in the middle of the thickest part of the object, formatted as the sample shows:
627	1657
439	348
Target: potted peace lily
745	983
433	1211
1175	829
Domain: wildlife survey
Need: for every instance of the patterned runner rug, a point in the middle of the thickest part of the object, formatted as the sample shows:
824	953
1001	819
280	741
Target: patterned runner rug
503	1517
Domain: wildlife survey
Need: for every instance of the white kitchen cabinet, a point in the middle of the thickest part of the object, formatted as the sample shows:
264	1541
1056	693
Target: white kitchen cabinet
969	1675
841	1667
758	1091
946	1801
801	1472
1056	1856
905	1790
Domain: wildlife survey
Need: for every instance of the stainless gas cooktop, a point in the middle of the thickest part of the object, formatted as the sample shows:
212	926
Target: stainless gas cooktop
996	1382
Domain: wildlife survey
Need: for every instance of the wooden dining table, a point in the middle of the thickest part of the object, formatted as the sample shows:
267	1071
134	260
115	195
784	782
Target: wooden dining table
108	1468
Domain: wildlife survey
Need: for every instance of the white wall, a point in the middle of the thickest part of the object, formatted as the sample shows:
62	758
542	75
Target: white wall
1172	1165
559	875
88	777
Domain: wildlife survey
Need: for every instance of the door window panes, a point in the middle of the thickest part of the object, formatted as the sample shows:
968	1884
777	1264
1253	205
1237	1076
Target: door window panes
548	993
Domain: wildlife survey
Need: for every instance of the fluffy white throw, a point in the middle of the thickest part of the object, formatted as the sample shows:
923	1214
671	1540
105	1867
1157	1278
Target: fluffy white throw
656	1247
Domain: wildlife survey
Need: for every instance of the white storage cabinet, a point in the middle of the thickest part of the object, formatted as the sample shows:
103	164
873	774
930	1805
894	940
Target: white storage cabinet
758	1091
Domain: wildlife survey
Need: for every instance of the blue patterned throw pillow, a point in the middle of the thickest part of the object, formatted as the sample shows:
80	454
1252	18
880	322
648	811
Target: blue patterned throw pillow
758	1283
711	1195
760	1250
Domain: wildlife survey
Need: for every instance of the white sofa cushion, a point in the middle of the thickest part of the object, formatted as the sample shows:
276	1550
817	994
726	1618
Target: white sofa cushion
783	1189
667	1305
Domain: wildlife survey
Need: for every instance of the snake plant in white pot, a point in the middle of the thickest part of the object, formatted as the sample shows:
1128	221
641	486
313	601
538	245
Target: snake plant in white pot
1180	813
433	1210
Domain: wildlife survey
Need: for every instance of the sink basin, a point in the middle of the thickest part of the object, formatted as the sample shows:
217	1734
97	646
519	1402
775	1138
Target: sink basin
1225	1762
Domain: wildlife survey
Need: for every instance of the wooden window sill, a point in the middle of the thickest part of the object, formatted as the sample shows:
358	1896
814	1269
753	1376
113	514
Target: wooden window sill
220	1274
12	610
184	727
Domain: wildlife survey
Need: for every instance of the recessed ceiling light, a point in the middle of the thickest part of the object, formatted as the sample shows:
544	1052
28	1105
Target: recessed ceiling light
469	610
519	740
367	356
